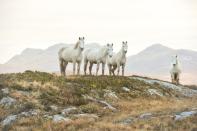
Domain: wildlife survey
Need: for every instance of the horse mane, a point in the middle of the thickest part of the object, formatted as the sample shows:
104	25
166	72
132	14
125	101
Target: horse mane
76	45
120	51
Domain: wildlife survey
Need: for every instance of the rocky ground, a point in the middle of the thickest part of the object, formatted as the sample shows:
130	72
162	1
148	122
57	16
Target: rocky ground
40	101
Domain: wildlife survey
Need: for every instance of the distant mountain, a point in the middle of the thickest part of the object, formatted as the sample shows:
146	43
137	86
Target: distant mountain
154	61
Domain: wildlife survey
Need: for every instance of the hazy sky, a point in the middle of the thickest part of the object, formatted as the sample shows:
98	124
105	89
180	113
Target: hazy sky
42	23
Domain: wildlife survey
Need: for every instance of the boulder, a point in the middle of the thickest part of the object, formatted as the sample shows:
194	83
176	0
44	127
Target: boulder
9	119
7	101
184	115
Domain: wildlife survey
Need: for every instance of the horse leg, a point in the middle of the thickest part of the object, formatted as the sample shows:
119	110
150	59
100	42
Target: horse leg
114	68
118	66
85	66
172	78
61	63
109	67
123	66
74	67
64	70
78	68
90	68
97	68
61	66
103	68
178	79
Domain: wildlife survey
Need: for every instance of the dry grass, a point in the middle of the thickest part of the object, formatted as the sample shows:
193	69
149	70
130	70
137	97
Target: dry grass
45	89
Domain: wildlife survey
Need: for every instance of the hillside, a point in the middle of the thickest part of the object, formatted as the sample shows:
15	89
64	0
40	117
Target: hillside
42	101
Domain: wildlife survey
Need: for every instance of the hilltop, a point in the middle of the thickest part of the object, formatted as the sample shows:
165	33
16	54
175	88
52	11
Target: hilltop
43	101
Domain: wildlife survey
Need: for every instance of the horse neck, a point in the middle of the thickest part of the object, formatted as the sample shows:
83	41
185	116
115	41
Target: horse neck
121	52
76	47
176	63
176	66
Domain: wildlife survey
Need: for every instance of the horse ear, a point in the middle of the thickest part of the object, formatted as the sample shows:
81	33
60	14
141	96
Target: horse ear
126	42
83	38
112	44
79	38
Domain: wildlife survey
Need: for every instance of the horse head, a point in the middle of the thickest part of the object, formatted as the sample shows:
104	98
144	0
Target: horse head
110	49
81	43
124	46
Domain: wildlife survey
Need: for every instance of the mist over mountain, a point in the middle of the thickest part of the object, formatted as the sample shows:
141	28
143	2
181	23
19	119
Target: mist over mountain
154	61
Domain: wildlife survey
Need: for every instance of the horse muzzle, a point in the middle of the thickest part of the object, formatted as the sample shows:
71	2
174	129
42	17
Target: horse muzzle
125	52
82	49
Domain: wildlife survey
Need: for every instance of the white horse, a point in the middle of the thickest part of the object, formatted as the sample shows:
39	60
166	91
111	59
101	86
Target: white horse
118	59
97	56
175	71
71	54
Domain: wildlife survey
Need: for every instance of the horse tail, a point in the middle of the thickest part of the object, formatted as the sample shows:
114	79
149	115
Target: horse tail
60	52
61	61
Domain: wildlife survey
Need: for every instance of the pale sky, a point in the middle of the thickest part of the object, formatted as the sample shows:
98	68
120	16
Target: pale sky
42	23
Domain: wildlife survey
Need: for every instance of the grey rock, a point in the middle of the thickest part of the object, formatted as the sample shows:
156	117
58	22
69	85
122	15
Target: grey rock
87	115
48	116
110	94
154	92
5	91
184	115
59	118
101	102
54	108
9	119
68	110
145	116
125	89
179	88
126	121
7	101
29	113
